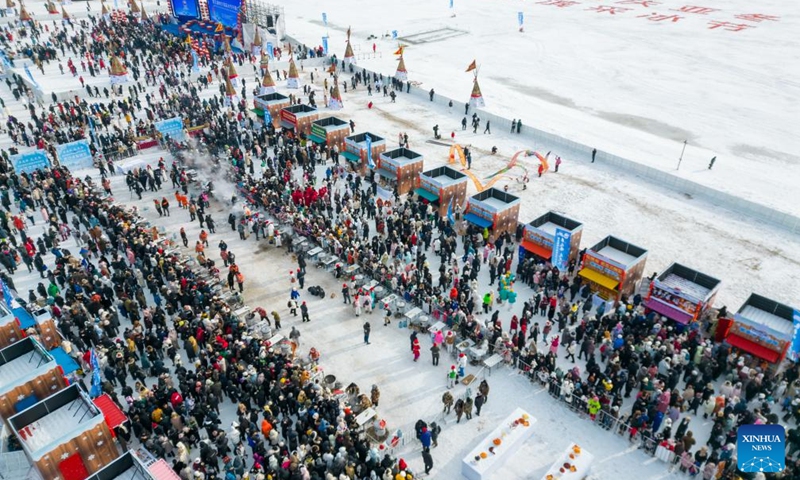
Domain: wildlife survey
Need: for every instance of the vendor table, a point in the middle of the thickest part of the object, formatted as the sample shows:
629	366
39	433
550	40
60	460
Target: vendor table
462	347
351	270
492	362
436	327
369	286
511	439
314	252
365	416
389	299
422	321
276	339
359	280
328	261
379	291
412	314
582	463
401	306
477	354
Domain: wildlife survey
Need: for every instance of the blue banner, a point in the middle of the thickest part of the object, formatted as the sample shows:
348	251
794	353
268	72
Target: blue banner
370	162
325	45
561	241
172	127
270	51
97	383
225	12
794	354
28	162
394	33
521	18
451	3
30	75
325	18
185	8
75	155
450	216
8	297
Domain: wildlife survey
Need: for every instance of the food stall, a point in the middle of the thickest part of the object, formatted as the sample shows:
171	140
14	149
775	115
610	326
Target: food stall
682	294
65	436
330	130
298	118
539	236
10	330
399	167
441	186
613	268
493	209
272	103
496	448
764	328
356	148
27	374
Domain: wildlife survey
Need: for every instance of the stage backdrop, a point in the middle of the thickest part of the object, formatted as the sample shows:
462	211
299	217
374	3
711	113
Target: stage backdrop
224	11
185	8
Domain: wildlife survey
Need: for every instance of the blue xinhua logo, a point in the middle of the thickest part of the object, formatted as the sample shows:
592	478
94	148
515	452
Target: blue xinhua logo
761	448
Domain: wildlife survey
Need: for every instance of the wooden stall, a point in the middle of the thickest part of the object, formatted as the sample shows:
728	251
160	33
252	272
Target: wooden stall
441	186
10	331
540	236
399	167
356	148
27	374
330	130
65	436
493	209
272	103
613	268
764	328
298	118
49	335
682	294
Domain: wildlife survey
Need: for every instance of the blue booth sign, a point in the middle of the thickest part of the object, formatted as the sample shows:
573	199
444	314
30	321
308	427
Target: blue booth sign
561	246
75	155
30	161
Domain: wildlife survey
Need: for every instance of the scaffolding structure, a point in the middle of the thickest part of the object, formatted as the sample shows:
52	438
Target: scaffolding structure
266	15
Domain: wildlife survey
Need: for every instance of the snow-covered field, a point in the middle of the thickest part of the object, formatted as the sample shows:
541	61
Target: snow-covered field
589	76
631	77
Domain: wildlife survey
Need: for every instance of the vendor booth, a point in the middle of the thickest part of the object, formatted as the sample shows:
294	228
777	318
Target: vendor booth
540	235
49	335
764	328
493	209
399	167
10	330
298	118
27	374
613	268
356	148
441	186
681	294
65	436
272	103
331	131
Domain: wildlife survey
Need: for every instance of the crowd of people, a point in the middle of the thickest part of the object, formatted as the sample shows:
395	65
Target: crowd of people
142	309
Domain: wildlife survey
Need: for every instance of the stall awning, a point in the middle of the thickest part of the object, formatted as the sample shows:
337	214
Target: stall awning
669	311
67	363
258	111
426	195
537	249
476	220
161	470
317	139
351	157
752	347
26	320
287	125
111	412
386	174
598	278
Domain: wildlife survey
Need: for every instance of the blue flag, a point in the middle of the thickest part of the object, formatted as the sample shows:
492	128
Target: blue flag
394	33
451	3
30	75
370	162
450	216
8	297
325	45
325	18
97	387
195	62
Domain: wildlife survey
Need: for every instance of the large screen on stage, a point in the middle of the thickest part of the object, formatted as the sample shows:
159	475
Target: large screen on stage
185	8
224	11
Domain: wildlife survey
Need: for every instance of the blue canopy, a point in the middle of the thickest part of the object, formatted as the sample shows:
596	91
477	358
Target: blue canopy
476	220
67	363
26	320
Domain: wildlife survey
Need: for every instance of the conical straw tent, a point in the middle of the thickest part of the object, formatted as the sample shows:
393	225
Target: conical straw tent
10	4
231	70
401	73
143	15
64	14
24	16
135	7
476	98
267	81
349	56
257	39
227	44
229	90
117	68
335	102
294	78
104	9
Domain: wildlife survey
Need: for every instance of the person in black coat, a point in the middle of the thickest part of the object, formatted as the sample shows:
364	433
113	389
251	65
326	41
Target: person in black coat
427	458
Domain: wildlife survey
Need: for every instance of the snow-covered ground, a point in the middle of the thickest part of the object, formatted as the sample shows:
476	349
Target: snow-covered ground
747	255
631	77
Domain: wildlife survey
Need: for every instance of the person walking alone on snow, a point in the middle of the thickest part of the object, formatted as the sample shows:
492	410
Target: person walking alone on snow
367	329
